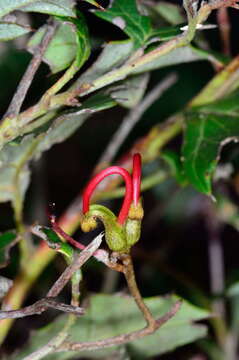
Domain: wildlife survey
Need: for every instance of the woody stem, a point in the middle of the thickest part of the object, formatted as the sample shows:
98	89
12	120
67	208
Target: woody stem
134	290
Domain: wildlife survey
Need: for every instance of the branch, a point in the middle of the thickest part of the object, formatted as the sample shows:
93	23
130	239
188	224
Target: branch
225	29
133	117
152	324
42	305
120	339
39	307
50	101
134	290
25	83
80	259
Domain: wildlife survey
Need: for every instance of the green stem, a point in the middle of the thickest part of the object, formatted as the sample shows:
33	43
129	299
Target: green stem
68	75
11	127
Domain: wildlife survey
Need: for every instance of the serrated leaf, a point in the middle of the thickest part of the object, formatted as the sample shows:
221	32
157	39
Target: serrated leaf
125	15
208	129
7	240
51	7
110	315
9	31
71	41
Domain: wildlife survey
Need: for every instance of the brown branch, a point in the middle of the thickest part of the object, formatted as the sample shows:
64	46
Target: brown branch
133	288
43	304
152	324
80	259
121	339
39	307
20	94
225	29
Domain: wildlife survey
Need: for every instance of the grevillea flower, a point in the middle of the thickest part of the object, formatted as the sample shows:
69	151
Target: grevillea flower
124	231
120	232
101	176
136	178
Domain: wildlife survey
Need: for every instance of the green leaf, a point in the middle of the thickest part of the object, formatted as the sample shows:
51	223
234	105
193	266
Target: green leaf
65	125
125	15
173	160
51	7
7	240
71	41
16	155
113	55
178	56
82	38
14	171
53	241
129	92
208	129
172	13
61	50
9	31
110	315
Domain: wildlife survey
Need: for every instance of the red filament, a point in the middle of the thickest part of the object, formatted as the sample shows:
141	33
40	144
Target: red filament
136	177
102	175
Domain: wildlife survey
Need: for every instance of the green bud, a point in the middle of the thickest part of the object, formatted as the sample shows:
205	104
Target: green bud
133	231
115	234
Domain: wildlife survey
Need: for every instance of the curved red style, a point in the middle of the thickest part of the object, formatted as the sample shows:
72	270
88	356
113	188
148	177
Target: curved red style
136	177
102	175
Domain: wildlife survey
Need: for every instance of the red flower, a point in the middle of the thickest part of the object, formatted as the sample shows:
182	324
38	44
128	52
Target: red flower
132	187
123	232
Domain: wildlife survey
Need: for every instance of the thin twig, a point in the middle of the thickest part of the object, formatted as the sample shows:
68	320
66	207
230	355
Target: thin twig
39	307
42	305
133	117
80	259
225	29
133	288
152	324
20	94
100	254
121	339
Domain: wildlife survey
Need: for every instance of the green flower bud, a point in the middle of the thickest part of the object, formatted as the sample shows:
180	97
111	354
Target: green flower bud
115	234
133	231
